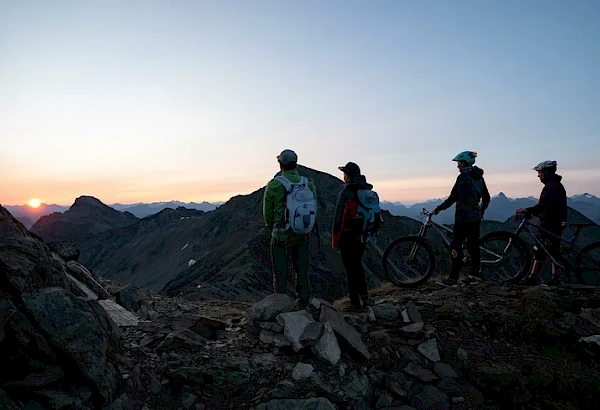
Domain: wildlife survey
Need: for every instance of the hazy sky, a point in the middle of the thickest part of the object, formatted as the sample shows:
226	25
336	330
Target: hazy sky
192	100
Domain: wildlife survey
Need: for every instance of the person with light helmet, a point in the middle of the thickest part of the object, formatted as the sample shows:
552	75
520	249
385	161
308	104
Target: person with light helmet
283	241
552	212
471	196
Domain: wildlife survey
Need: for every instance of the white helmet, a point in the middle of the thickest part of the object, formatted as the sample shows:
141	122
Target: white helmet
545	165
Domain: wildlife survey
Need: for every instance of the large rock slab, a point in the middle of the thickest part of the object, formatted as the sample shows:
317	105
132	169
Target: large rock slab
294	324
75	330
268	308
85	276
348	333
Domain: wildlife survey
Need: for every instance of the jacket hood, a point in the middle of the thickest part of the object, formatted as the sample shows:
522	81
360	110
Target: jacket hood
475	172
358	182
552	178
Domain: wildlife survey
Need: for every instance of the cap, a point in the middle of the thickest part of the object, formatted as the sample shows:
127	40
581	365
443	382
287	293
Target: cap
287	156
351	169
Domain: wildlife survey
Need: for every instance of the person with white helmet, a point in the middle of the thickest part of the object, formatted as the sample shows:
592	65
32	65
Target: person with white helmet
552	212
472	198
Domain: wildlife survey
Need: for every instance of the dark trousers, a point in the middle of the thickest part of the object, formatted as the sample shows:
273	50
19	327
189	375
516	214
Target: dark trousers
470	232
298	251
352	251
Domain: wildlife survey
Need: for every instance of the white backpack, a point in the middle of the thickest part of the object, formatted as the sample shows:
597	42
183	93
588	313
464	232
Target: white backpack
301	206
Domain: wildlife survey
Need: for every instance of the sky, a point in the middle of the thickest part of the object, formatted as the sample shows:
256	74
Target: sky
142	101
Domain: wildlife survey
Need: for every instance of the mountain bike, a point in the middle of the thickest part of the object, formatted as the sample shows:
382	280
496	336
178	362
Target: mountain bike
584	263
410	261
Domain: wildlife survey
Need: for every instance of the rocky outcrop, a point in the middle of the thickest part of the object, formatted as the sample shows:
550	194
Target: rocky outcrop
55	346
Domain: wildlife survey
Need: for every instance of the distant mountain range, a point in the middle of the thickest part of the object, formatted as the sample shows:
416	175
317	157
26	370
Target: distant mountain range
28	216
501	207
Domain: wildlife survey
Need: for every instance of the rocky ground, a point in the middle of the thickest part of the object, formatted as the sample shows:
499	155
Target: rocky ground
483	346
69	340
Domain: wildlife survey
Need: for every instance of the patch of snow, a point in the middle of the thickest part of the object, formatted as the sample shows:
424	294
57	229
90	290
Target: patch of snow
191	262
185	246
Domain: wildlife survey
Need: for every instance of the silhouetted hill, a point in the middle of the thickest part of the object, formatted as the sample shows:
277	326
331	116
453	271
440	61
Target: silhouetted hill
141	210
231	248
87	216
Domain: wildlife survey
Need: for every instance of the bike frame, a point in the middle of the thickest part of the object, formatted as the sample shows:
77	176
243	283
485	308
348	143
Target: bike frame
439	228
526	226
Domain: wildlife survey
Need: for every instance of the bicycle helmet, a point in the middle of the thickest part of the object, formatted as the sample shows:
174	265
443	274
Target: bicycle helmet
466	156
545	165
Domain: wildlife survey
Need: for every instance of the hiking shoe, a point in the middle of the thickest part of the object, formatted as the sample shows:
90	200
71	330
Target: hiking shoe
448	283
367	300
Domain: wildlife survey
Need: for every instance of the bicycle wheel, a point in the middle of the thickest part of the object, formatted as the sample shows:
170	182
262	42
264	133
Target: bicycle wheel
504	257
587	265
408	261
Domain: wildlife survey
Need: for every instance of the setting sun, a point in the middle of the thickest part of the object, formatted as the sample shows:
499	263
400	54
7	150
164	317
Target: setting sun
35	202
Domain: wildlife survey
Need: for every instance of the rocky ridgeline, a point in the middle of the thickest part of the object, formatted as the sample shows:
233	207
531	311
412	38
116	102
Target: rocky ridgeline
70	340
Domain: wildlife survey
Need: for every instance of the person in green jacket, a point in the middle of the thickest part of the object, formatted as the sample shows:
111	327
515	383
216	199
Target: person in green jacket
284	242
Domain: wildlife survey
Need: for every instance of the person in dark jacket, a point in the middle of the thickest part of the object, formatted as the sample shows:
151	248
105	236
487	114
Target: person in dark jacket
552	211
346	236
472	198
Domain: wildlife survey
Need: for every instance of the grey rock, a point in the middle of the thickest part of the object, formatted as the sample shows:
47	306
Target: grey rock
327	348
431	398
444	370
312	334
462	354
415	370
429	349
344	330
268	308
411	331
405	317
187	400
273	339
384	401
129	297
294	324
413	312
302	371
450	388
76	330
355	385
386	312
398	384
